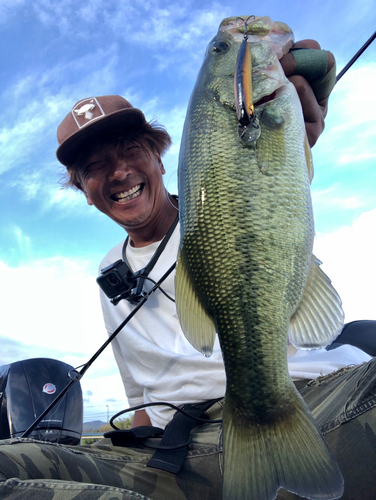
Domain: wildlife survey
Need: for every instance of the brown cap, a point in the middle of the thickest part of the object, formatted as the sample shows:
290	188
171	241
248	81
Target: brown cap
92	116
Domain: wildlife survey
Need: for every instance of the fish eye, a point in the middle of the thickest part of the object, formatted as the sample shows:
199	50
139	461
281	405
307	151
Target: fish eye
220	46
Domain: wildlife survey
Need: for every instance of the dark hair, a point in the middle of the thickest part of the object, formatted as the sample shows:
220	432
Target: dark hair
153	137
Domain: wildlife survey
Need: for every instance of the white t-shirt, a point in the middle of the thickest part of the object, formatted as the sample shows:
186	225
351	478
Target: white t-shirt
156	361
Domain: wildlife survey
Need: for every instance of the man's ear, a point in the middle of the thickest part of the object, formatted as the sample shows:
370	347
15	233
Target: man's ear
79	186
89	202
159	160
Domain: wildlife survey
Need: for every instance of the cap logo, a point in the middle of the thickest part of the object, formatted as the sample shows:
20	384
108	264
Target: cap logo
86	111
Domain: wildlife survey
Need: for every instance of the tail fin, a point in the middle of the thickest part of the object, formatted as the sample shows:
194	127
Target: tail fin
290	454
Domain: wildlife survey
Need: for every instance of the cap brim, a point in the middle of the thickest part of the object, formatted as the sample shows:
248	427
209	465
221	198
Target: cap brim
128	119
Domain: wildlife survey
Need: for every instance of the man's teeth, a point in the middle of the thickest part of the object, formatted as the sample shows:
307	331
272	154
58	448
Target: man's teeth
128	195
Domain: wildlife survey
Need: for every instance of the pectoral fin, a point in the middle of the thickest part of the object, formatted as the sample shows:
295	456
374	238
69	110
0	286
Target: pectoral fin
196	323
319	319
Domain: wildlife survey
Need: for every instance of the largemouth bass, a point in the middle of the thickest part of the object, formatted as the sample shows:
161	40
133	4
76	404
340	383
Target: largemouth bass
245	268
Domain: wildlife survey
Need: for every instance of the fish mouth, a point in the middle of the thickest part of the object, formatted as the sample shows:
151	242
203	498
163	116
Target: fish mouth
130	194
266	99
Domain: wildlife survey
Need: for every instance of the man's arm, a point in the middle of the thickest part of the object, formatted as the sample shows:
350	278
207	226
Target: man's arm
314	108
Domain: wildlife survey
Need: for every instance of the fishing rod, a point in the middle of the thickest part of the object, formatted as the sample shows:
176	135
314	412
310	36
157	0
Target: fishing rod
77	375
356	56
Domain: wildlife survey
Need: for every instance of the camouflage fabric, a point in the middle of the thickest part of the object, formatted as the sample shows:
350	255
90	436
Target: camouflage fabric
344	406
104	464
48	489
343	403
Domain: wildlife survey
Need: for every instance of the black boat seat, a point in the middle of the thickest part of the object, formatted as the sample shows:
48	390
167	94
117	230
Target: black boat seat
361	334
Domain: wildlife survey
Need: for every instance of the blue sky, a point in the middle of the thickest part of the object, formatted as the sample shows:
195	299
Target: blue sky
55	53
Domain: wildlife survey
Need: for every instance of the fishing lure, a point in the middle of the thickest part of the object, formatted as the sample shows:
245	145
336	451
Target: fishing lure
248	124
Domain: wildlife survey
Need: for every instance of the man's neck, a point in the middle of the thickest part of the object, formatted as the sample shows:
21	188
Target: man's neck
141	237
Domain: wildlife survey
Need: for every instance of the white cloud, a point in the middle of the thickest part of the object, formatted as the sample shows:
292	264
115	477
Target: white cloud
351	118
354	157
8	7
106	390
348	257
32	109
50	195
333	197
51	309
23	241
344	156
173	26
14	350
52	302
25	126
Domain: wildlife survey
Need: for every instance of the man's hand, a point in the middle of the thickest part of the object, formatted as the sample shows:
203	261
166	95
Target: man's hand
140	418
313	88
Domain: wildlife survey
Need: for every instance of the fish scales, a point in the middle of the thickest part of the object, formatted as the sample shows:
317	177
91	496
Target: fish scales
245	264
247	259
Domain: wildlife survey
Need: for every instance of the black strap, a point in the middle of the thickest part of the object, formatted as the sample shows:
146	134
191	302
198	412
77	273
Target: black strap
158	251
171	452
133	437
172	448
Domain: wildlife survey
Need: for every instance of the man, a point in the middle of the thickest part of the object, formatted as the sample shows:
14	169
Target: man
114	157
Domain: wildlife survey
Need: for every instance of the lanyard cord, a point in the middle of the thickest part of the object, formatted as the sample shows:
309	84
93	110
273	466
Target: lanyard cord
158	251
143	274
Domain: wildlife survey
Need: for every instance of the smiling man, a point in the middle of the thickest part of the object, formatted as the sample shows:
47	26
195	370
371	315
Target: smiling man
114	156
122	178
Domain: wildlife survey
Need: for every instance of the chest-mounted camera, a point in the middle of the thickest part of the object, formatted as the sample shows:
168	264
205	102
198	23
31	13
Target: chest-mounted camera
118	281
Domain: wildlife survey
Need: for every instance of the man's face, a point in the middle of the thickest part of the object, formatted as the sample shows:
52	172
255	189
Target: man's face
128	187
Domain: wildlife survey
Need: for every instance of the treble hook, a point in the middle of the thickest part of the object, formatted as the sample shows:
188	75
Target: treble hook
245	25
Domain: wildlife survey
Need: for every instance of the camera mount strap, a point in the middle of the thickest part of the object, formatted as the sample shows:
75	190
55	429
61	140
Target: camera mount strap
143	273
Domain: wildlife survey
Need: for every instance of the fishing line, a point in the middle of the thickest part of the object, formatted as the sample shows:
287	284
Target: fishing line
50	425
160	288
167	184
168	197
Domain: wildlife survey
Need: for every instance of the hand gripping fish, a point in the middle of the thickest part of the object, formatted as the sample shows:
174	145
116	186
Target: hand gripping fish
245	268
